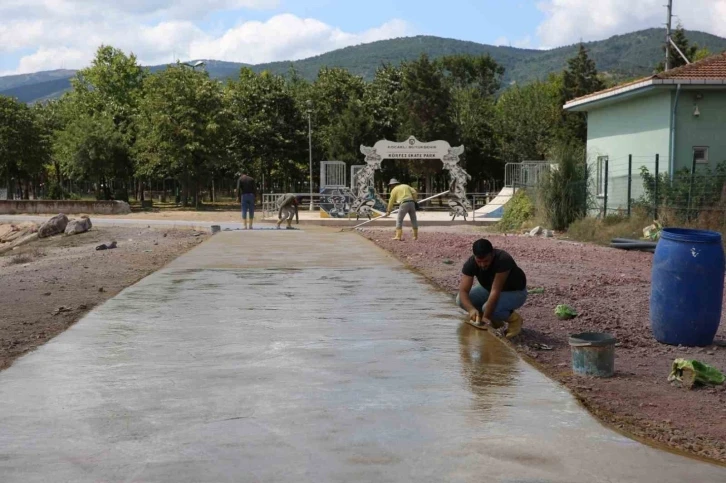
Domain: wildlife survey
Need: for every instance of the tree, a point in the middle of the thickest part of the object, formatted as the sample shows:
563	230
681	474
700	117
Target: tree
22	150
382	102
481	73
182	127
425	102
91	147
110	88
267	128
674	58
527	118
580	78
473	81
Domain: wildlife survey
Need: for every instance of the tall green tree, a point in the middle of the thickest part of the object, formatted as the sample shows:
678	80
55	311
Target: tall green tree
182	128
426	103
267	136
580	78
23	153
527	119
382	99
109	89
473	81
674	58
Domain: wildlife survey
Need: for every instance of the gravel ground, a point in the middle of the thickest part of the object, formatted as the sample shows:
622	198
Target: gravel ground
610	289
49	284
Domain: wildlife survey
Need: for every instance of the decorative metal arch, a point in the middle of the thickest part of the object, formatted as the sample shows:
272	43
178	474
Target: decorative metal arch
414	149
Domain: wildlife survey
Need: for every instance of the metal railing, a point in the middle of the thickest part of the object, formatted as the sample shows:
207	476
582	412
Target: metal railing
270	208
526	174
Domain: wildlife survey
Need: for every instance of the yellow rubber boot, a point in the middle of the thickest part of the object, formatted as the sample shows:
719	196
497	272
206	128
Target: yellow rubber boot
399	234
415	233
514	325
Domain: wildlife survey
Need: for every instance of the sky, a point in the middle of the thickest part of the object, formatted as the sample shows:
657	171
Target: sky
38	35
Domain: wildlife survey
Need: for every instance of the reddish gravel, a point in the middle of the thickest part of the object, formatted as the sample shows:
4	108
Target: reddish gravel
610	289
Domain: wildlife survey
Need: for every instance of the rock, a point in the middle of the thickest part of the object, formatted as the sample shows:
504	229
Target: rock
54	226
81	225
107	246
535	231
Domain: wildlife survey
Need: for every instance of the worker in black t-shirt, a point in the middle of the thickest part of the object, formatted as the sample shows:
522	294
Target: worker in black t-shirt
502	288
246	194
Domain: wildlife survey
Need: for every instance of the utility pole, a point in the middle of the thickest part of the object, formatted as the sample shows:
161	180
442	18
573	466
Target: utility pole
668	35
309	104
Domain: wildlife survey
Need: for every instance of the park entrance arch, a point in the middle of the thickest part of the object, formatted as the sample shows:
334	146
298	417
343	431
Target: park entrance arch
412	148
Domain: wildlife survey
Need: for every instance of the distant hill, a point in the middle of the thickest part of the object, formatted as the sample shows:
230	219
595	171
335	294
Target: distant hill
622	56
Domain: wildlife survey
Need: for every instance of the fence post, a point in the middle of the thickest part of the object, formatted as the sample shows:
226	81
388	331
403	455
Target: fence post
605	205
657	182
630	181
690	188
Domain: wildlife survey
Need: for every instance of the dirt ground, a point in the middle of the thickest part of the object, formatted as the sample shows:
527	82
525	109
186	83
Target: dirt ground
49	284
610	289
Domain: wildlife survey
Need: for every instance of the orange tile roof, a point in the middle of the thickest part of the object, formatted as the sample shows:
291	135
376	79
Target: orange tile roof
710	68
713	67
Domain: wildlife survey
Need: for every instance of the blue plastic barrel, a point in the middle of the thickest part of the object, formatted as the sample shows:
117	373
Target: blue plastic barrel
687	287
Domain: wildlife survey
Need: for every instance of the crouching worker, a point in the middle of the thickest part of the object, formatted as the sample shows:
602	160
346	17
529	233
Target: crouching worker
501	291
288	204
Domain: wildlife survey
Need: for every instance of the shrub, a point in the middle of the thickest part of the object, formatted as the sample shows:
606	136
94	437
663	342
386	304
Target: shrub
562	193
56	192
519	210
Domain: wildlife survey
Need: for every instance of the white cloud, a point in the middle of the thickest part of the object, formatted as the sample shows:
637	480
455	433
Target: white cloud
569	21
52	34
286	37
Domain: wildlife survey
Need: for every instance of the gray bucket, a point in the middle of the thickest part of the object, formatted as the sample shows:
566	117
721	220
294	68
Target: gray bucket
593	354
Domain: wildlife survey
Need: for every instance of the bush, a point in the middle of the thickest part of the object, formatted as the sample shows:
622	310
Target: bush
56	192
519	210
562	194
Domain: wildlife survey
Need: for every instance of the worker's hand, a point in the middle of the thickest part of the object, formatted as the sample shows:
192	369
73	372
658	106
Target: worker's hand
475	316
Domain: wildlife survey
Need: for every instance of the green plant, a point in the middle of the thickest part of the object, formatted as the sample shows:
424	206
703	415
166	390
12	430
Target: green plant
519	210
562	192
56	192
688	194
564	312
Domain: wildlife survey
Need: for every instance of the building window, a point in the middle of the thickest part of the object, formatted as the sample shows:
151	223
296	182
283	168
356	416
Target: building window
600	174
700	154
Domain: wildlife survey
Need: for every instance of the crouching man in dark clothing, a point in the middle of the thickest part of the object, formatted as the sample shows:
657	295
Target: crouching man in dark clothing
502	288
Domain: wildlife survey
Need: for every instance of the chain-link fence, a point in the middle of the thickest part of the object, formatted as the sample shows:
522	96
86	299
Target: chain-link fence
692	195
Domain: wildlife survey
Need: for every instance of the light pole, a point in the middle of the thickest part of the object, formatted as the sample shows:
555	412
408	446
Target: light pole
309	104
199	63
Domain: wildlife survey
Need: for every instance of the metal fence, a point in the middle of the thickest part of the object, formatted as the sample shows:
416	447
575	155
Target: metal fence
526	174
689	195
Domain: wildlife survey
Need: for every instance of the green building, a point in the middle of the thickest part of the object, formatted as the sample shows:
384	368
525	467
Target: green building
678	115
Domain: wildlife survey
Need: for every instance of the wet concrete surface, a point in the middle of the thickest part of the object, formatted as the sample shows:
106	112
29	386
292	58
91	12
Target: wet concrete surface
303	356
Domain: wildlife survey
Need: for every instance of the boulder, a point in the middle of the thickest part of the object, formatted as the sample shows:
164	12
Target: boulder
54	226
82	225
535	231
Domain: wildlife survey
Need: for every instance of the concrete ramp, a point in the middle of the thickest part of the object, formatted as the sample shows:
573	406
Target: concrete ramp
495	210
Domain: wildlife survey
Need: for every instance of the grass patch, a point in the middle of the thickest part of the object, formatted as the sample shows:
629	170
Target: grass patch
602	231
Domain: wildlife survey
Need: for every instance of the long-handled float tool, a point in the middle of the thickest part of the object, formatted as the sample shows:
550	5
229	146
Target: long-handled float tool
394	211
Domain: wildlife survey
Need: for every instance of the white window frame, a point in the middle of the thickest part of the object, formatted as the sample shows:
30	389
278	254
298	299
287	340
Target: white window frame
600	175
705	152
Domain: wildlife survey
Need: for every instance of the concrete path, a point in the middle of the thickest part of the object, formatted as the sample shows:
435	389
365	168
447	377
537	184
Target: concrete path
294	357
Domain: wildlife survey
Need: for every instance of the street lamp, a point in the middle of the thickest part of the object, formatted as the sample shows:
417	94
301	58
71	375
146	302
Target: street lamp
309	104
199	63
